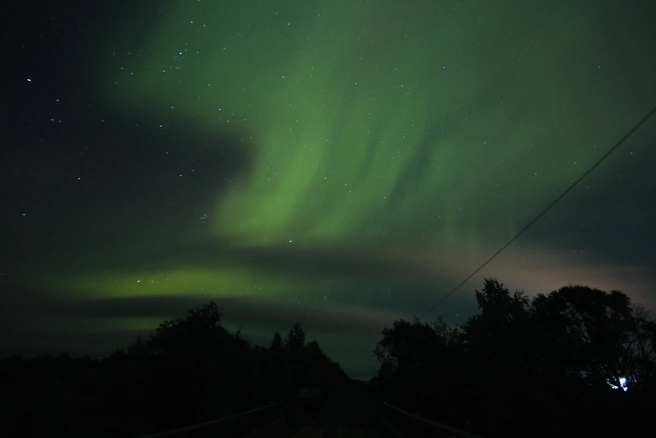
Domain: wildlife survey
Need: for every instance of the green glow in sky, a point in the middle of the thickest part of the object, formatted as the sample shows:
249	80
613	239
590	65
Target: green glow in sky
171	281
403	123
384	150
398	126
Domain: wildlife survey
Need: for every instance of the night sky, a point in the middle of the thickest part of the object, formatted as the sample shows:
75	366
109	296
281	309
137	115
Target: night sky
338	163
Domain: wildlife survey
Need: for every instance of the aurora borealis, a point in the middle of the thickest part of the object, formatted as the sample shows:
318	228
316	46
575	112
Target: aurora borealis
337	163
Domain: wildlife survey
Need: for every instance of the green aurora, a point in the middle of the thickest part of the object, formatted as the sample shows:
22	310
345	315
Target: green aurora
398	126
391	146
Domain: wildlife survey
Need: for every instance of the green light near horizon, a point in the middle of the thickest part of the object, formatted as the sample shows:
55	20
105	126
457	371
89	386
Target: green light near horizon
171	281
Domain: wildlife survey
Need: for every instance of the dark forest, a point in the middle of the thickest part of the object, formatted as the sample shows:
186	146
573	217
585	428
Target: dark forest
568	363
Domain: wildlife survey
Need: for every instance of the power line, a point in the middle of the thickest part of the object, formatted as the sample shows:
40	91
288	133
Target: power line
543	212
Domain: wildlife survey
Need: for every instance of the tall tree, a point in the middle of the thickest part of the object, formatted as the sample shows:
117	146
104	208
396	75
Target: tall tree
276	343
498	333
295	339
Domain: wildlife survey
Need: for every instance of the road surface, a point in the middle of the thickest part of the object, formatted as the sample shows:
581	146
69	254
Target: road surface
347	413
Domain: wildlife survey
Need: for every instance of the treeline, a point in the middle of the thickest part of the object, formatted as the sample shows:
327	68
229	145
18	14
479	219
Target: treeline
574	362
189	370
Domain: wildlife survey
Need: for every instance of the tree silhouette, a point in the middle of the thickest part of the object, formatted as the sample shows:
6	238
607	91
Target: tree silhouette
499	336
276	343
295	339
641	349
501	313
516	363
587	331
198	334
408	347
421	361
190	370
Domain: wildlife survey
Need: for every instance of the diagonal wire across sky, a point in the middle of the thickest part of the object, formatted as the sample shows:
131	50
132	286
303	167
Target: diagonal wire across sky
546	209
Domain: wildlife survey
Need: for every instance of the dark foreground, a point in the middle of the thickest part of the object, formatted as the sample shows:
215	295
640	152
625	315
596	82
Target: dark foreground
351	410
